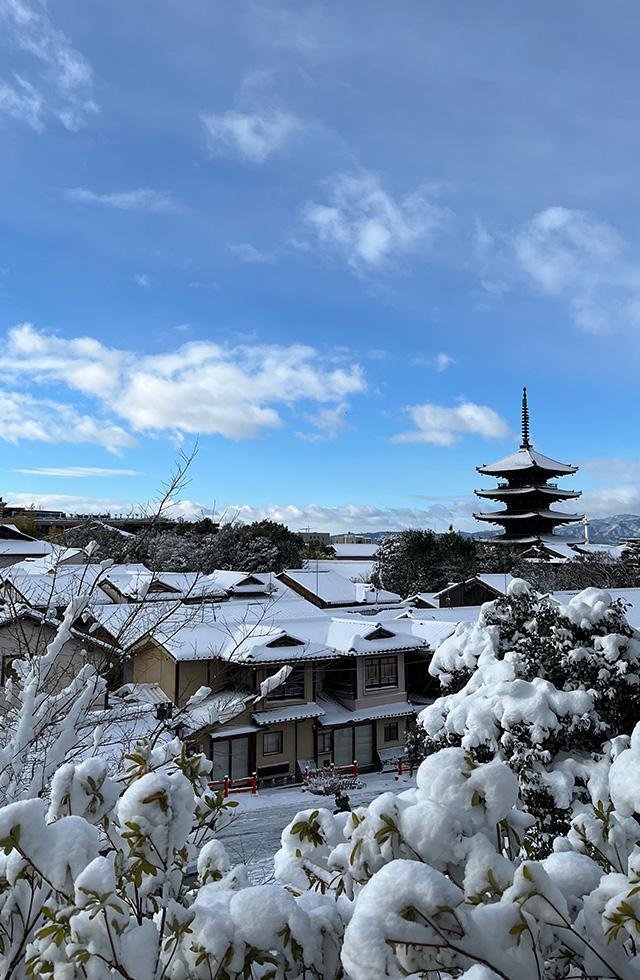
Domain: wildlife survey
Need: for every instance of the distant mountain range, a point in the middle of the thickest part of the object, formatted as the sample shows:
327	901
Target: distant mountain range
605	530
602	530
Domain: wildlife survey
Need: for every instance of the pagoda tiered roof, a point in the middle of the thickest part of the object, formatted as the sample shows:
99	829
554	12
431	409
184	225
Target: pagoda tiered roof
551	492
527	494
527	458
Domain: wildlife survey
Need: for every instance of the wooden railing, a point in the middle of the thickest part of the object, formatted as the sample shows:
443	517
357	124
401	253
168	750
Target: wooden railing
246	784
407	766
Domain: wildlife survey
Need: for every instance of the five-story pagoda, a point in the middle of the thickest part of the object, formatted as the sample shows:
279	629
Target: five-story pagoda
526	492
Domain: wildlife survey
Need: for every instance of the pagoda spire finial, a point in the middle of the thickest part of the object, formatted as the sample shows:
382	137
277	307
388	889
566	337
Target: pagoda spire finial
526	443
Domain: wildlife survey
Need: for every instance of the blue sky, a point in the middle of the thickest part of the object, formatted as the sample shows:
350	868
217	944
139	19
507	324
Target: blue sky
331	240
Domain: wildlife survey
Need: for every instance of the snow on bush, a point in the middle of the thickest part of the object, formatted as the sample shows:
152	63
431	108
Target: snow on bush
437	881
538	685
470	874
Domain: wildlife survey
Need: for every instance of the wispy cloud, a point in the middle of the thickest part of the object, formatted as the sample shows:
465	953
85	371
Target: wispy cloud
328	421
143	281
442	426
255	136
571	255
77	472
438	362
63	86
367	227
201	387
22	102
141	199
249	253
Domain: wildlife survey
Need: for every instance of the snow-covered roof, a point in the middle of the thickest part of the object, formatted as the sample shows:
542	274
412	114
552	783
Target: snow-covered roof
613	550
334	713
356	570
126	622
428	598
294	712
214	633
334	589
24	546
432	630
9	532
524	459
358	635
496	581
49	591
355	550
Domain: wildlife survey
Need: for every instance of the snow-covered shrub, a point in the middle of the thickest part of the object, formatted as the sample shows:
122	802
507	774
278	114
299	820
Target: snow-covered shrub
533	683
437	882
100	883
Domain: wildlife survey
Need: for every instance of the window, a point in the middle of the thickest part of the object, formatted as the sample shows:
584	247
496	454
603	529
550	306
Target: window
381	672
272	743
325	742
391	732
293	687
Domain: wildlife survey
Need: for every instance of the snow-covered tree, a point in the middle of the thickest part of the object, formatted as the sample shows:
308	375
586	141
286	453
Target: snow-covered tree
540	686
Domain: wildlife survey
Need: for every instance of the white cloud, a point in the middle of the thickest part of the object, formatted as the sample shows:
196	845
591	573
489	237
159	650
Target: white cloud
77	472
65	77
367	226
140	199
252	135
571	255
346	517
249	253
21	101
329	421
620	469
442	426
439	362
200	387
25	417
143	281
612	500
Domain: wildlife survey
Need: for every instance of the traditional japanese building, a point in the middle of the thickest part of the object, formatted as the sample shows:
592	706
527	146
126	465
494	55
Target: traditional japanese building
525	489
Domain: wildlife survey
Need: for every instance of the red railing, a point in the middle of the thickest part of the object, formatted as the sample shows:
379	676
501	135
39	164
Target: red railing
247	784
408	765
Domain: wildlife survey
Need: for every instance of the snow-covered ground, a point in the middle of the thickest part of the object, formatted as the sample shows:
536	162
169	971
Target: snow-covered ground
253	837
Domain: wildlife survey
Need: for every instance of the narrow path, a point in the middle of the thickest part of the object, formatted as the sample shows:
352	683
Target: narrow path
254	835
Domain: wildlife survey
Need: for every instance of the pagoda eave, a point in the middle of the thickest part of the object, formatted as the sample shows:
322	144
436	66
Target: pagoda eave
554	517
551	493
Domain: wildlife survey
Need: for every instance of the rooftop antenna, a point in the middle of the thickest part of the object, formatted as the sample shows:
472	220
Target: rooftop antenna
525	444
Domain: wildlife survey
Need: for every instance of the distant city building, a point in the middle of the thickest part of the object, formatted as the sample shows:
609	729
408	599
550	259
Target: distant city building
350	538
316	539
45	521
528	517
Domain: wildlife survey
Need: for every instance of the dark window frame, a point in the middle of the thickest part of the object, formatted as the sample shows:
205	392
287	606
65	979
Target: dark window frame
322	738
376	665
268	735
391	725
290	690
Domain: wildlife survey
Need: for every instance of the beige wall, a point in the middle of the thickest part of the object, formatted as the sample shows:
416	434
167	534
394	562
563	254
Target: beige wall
192	674
385	695
151	665
289	753
26	638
